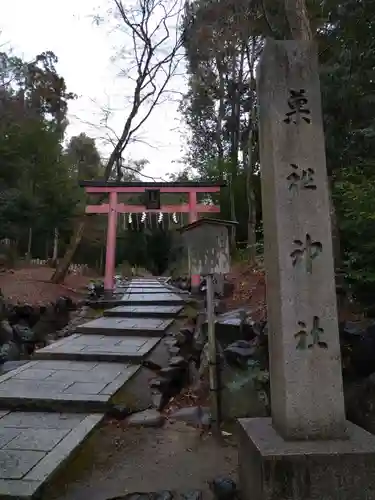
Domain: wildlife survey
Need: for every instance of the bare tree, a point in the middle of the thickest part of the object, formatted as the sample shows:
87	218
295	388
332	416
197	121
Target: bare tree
253	51
152	29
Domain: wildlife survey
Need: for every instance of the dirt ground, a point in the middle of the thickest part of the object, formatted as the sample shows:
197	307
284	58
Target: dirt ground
118	460
32	286
249	290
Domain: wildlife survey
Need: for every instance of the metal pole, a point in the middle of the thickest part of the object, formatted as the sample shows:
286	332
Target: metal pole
212	357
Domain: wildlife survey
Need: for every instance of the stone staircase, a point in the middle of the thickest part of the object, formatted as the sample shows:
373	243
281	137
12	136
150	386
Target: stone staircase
50	405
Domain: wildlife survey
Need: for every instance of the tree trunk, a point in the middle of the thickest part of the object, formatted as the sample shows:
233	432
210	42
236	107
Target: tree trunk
298	19
232	234
237	82
250	195
220	118
335	230
29	244
63	267
55	253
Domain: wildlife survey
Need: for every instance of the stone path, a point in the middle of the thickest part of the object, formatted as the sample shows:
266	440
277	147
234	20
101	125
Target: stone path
81	376
147	289
141	293
99	348
63	385
34	445
124	326
146	310
164	298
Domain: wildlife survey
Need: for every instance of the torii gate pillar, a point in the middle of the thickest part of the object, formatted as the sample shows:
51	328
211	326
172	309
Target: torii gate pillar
193	216
110	255
113	207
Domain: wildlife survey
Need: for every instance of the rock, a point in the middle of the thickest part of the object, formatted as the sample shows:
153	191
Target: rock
173	342
168	387
151	366
6	332
159	383
23	334
174	350
64	305
164	495
157	400
197	416
173	372
46	324
119	412
245	393
75	319
153	495
238	353
187	333
219	307
146	418
9	352
193	373
234	325
177	361
192	495
224	488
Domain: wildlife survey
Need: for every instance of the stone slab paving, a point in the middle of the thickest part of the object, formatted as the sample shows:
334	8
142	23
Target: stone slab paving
34	445
166	298
147	290
124	326
79	347
63	385
141	284
144	311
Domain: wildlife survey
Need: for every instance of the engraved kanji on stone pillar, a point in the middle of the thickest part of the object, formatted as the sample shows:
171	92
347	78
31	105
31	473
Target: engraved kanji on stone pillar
305	365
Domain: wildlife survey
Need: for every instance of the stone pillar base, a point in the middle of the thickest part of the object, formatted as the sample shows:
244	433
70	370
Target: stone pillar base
271	468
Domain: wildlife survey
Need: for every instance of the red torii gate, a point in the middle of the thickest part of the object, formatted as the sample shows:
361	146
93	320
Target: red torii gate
113	207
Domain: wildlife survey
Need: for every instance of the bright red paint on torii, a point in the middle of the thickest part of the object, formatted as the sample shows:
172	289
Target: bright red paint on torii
113	207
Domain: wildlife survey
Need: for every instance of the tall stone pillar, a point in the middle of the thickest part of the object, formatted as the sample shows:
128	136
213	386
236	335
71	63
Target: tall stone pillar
307	450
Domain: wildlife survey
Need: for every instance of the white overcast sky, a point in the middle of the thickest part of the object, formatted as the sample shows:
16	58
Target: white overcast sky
84	51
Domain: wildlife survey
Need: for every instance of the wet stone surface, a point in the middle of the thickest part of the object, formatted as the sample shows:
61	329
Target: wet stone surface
99	348
33	445
73	385
152	298
147	289
119	326
146	311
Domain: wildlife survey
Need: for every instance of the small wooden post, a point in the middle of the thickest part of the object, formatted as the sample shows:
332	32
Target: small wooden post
212	356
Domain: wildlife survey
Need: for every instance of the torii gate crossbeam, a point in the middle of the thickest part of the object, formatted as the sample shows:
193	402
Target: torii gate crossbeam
113	207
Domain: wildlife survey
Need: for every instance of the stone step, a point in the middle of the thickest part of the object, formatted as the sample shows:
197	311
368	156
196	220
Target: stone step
141	285
144	311
72	386
35	445
154	327
167	298
80	347
147	290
